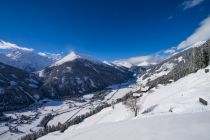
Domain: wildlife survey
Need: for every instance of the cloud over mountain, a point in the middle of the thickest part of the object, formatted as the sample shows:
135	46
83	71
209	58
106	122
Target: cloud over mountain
202	33
139	60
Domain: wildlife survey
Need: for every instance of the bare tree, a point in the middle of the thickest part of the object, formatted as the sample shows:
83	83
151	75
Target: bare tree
131	103
112	104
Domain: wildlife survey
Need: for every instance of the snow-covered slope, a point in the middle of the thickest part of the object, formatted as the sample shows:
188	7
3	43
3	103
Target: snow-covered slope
181	96
178	127
25	58
175	107
70	57
177	66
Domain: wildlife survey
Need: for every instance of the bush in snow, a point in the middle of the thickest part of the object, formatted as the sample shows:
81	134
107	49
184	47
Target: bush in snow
206	70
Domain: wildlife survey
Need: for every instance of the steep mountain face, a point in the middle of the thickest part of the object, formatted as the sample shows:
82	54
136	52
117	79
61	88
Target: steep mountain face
25	58
17	88
178	66
75	75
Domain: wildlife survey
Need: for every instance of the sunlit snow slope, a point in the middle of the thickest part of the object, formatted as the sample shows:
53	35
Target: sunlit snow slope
167	112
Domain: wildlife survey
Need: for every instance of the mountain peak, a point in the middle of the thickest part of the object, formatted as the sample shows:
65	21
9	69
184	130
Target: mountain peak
73	56
70	57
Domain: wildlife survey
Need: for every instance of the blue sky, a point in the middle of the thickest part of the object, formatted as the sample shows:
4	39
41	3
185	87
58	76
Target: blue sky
105	29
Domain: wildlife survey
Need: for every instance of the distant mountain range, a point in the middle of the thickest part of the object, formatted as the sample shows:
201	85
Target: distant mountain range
72	76
75	75
25	58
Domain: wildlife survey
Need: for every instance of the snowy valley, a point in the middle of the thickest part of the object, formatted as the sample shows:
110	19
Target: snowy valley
78	98
104	69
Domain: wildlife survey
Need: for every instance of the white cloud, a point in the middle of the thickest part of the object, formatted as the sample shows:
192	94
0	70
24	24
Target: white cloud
201	34
170	51
139	60
42	54
190	4
7	45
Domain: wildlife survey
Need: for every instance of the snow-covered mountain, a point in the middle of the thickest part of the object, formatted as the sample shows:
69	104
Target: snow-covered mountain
73	56
77	74
25	58
168	93
177	66
17	88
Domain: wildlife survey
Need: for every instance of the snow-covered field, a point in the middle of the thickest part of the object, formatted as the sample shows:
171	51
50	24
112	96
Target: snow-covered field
170	112
174	127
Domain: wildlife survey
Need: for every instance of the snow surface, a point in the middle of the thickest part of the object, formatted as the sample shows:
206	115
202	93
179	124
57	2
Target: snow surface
88	96
70	57
167	112
197	44
181	96
163	70
173	127
180	59
174	107
73	56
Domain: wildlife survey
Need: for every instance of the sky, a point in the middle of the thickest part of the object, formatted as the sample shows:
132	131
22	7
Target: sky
105	29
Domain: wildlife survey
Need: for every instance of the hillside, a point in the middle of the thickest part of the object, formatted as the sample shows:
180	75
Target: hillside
181	96
17	88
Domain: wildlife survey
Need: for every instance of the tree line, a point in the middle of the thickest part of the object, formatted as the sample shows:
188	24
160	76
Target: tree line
62	127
